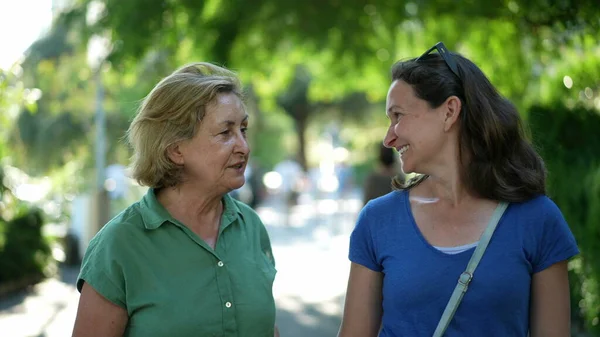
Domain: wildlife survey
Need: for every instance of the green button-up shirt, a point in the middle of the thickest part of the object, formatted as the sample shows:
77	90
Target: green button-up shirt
173	284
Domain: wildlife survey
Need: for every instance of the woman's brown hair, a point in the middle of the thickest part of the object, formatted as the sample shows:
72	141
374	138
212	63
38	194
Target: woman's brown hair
498	162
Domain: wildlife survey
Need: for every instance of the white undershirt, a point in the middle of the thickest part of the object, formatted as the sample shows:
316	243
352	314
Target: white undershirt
457	249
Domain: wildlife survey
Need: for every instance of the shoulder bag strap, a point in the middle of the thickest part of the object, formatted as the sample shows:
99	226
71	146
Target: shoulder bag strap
466	277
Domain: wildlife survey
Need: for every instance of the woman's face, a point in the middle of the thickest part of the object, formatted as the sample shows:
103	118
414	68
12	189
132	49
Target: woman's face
416	131
217	155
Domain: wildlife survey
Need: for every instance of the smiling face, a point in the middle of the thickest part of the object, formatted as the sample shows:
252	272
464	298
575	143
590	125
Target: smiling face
416	131
217	155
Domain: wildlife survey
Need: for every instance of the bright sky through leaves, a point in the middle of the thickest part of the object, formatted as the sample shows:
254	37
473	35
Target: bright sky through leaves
21	23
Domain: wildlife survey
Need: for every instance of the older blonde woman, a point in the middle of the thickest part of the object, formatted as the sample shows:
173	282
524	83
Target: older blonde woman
187	259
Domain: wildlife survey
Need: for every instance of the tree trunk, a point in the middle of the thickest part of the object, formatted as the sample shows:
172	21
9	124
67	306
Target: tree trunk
301	124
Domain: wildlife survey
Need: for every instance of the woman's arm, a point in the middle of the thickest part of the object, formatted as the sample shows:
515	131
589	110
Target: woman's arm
550	302
362	310
97	316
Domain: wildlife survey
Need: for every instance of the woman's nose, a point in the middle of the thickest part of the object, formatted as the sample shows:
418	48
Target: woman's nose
242	144
390	138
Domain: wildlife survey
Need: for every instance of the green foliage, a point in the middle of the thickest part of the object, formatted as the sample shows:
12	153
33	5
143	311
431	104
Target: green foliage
23	250
60	133
24	253
270	136
569	142
57	131
220	25
345	47
12	94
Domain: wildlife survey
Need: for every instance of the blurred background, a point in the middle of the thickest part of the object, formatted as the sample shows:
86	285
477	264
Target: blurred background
72	73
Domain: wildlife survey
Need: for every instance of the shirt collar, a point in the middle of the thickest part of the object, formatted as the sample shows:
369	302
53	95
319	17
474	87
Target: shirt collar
154	214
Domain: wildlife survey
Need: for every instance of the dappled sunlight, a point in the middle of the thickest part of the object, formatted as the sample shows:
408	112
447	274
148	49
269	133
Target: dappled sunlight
21	22
568	81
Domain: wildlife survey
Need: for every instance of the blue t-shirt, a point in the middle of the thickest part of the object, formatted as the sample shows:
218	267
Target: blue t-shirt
418	279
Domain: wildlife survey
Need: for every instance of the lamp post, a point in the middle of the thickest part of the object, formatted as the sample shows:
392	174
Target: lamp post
98	49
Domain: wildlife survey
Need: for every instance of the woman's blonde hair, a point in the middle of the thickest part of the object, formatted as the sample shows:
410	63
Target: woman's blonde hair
171	113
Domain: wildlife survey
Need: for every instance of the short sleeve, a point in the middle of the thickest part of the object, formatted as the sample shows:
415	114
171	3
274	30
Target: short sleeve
362	246
102	271
554	241
265	243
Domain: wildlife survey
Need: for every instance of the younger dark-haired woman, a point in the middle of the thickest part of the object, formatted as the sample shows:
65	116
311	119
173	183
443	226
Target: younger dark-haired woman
409	247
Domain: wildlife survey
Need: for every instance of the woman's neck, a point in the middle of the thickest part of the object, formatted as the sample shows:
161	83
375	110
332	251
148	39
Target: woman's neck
446	181
185	202
445	184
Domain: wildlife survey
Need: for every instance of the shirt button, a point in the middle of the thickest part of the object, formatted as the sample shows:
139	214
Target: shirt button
220	263
228	304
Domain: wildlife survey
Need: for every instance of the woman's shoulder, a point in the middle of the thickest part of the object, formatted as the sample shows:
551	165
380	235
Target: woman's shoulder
540	206
122	226
391	199
546	236
386	209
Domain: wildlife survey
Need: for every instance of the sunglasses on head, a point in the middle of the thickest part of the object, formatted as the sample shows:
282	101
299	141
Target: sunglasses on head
445	54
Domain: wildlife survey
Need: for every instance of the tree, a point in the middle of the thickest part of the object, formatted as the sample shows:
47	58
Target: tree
13	95
24	252
220	26
346	46
58	136
570	146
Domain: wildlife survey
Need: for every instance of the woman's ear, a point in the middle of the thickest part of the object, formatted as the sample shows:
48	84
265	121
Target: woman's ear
175	154
453	107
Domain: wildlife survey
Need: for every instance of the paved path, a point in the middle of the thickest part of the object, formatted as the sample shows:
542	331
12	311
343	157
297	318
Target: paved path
311	255
46	310
312	267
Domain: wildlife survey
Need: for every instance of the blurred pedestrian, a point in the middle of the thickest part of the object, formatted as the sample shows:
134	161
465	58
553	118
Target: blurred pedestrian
345	177
379	182
409	248
292	177
187	259
256	185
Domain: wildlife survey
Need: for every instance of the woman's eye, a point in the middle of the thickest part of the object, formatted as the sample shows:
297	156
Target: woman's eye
226	132
244	130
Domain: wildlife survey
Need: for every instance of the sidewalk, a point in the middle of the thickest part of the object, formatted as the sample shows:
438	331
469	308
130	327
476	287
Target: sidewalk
46	310
312	269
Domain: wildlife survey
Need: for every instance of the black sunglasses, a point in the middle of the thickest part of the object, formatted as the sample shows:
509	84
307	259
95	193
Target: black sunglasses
445	54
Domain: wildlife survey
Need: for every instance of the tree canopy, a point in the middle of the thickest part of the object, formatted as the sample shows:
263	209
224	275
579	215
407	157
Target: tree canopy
344	48
348	44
